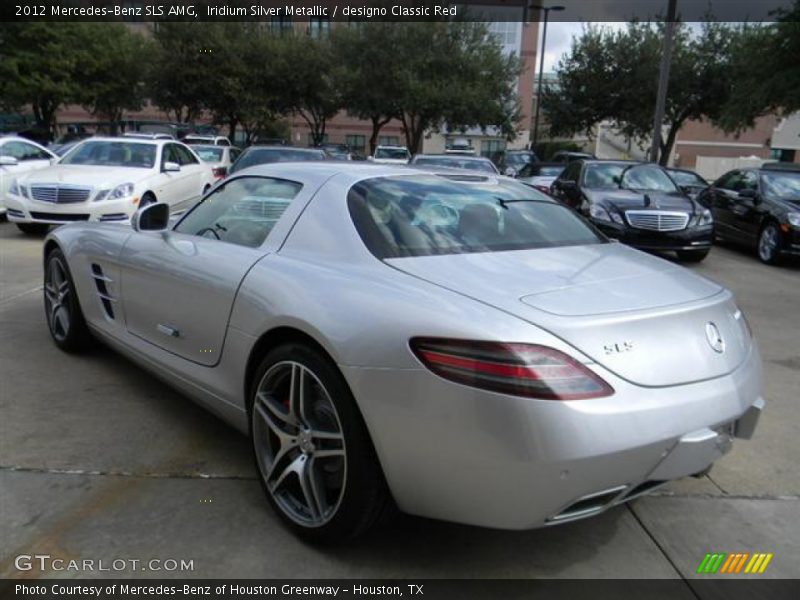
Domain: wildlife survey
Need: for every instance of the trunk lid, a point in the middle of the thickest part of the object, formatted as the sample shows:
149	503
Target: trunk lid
642	317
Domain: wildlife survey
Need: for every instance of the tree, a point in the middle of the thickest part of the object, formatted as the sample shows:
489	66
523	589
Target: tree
184	67
452	73
765	71
39	66
613	76
310	80
369	86
112	71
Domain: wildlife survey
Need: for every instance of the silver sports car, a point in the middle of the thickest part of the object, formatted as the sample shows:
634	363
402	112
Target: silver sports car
456	343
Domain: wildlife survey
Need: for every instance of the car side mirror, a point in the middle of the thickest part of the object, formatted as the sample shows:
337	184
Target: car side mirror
171	167
153	217
8	161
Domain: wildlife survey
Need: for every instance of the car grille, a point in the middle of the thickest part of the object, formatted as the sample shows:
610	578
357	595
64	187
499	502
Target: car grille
58	217
655	220
59	193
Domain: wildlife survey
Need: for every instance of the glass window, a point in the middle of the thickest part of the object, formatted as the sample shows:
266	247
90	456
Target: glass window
209	153
647	178
456	162
259	156
185	155
784	186
728	181
425	215
748	181
112	154
571	173
319	27
170	154
392	153
23	151
492	147
243	211
388	140
357	143
602	176
687	178
234	153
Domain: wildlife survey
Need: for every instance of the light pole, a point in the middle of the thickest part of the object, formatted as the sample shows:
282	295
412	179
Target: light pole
546	10
663	79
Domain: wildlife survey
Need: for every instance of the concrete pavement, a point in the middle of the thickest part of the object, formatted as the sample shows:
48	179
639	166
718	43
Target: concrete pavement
100	460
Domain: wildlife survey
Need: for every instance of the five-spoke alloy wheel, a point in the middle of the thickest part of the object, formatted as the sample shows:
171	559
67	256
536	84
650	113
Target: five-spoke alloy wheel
312	450
64	317
769	242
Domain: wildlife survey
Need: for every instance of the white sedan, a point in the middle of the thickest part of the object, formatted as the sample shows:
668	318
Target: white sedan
107	179
17	156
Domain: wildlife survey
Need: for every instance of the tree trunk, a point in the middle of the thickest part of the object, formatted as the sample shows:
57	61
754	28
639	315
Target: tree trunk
413	129
377	124
232	123
667	145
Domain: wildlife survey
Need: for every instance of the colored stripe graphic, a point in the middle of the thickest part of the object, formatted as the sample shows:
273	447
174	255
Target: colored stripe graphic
734	563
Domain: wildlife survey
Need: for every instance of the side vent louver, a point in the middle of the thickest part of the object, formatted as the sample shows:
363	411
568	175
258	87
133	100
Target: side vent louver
102	282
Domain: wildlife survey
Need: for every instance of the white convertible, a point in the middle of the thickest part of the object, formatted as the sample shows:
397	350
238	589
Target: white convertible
107	179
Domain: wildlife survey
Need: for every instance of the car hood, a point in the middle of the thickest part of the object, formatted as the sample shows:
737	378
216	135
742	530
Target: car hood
85	175
624	200
640	316
390	161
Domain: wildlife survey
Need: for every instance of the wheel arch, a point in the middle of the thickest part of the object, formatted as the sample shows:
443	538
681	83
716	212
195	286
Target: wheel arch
50	245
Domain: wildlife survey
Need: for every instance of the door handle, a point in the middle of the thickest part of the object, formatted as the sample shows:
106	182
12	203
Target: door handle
167	330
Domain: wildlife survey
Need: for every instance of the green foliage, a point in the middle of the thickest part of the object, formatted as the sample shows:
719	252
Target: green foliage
765	71
613	76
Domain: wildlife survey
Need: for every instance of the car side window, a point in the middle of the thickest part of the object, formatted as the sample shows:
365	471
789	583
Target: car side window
242	211
234	154
728	181
22	151
748	181
185	156
169	155
571	173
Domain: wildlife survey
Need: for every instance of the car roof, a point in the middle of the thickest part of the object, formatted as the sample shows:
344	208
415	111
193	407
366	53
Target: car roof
18	138
781	166
130	140
350	173
454	156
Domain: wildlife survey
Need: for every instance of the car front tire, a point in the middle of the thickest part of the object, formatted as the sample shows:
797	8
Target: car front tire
33	228
769	244
63	311
313	453
692	256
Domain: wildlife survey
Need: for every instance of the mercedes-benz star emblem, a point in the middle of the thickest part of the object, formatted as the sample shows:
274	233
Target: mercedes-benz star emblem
714	337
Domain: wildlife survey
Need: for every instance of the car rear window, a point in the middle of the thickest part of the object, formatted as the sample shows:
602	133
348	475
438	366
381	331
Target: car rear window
427	215
209	154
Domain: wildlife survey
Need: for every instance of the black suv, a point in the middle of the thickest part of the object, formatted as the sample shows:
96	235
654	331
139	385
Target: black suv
638	204
759	208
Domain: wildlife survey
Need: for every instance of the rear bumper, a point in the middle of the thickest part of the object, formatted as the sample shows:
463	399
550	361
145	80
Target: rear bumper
454	453
693	238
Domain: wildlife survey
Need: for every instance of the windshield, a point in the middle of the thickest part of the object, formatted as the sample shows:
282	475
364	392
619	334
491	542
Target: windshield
112	154
648	178
782	186
603	176
687	178
483	166
396	153
209	154
548	171
519	159
260	156
426	215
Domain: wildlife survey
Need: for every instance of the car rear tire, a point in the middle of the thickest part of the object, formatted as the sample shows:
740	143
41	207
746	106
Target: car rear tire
692	256
33	228
63	311
312	450
769	244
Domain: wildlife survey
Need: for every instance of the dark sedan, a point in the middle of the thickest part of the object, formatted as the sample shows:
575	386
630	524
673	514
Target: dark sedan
259	155
759	208
638	204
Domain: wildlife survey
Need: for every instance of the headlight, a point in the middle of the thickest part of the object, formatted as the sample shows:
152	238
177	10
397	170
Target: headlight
601	214
794	219
704	219
121	191
17	189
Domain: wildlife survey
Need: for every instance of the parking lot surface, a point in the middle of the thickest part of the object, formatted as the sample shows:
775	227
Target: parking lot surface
99	460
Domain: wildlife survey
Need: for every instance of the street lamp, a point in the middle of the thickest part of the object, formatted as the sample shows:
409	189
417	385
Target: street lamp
546	10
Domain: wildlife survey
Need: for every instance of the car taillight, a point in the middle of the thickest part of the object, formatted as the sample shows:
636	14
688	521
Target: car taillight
219	172
510	368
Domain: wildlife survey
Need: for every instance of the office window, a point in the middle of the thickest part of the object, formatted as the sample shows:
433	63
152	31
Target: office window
357	143
388	140
280	25
490	147
319	27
